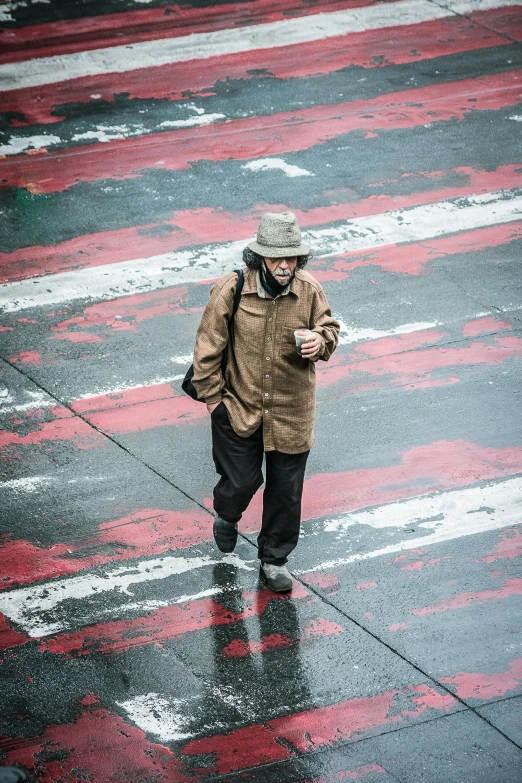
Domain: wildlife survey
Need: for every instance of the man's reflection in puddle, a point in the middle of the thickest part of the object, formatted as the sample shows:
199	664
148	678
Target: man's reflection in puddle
253	668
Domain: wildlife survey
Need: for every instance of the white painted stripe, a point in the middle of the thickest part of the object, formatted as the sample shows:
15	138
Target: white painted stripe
32	483
38	400
30	606
171	719
182	599
351	334
103	134
441	517
127	278
28	406
186	359
106	392
19	144
150	54
165	718
449	515
29	484
269	164
354	334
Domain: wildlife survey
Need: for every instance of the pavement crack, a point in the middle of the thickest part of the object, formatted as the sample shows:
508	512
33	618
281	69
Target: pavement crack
475	21
411	663
105	435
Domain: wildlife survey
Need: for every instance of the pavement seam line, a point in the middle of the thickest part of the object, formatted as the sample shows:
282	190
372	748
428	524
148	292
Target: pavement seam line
497	310
343	744
313	590
104	434
406	660
474	21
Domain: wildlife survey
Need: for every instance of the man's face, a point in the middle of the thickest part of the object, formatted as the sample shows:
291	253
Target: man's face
282	268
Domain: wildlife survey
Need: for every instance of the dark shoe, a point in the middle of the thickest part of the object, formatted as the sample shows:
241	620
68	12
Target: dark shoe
225	534
277	577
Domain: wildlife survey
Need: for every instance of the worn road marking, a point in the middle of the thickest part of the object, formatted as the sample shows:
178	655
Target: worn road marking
30	606
441	517
449	515
208	262
316	27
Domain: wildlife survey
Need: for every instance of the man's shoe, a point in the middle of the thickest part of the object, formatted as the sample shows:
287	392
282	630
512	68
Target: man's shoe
225	534
277	577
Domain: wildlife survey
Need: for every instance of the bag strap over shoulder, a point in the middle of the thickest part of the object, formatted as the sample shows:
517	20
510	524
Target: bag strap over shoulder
239	289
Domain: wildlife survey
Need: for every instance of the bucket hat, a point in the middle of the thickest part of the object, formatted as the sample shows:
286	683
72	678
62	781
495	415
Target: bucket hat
279	236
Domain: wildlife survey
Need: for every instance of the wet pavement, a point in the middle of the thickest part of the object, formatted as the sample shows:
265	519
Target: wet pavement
140	143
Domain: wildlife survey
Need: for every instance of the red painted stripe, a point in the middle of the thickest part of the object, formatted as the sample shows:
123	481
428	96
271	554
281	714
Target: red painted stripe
70	428
172	21
103	402
406	369
418	565
393	362
369	49
99	746
434	467
484	325
392	258
239	648
509	546
502	20
32	358
124	314
162	624
464	600
9	637
158	413
306	732
413	366
207	226
253	137
140	534
478	685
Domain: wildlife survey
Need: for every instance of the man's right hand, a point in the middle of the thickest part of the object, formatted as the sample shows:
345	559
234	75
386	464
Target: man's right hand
213	406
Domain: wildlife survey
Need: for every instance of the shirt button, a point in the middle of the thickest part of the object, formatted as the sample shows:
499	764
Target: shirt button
266	411
270	320
266	394
273	301
268	338
267	376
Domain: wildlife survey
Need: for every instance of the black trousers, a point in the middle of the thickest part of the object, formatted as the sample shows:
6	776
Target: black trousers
239	463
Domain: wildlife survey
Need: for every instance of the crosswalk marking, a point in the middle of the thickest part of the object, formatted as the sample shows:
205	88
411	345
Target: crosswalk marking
449	515
149	54
211	261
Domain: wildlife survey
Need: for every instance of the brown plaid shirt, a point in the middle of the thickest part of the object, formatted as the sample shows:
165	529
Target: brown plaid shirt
266	381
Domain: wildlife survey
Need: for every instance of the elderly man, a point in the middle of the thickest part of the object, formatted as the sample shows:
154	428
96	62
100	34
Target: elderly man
264	403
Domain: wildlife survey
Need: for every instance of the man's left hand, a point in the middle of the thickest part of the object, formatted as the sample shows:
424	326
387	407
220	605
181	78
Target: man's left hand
312	347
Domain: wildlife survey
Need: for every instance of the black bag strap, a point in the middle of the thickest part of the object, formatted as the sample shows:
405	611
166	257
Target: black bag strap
239	290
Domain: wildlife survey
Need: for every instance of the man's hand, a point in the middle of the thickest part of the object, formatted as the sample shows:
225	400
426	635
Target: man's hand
212	407
312	347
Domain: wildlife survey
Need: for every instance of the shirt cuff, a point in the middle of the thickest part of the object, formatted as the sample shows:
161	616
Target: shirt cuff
214	399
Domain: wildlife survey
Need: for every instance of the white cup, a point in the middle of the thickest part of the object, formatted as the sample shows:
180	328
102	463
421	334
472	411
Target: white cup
301	336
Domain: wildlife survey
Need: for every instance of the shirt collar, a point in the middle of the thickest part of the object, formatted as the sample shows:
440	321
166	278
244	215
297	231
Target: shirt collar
253	285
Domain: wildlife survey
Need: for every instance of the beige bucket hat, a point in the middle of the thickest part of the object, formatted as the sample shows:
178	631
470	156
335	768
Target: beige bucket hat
279	236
